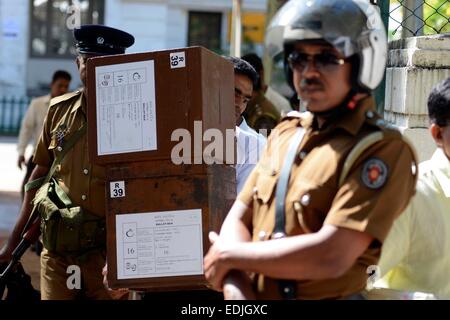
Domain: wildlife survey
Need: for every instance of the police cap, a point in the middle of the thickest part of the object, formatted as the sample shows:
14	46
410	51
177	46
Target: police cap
101	40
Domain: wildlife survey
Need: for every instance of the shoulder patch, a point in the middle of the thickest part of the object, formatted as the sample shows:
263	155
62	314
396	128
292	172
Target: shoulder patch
374	173
64	97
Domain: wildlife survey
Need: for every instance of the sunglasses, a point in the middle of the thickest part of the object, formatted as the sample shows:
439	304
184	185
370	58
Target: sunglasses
323	61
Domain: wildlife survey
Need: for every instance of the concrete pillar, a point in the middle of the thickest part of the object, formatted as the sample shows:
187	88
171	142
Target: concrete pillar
415	65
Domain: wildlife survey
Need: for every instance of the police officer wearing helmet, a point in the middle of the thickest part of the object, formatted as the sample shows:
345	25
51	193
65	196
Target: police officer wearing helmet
67	190
315	211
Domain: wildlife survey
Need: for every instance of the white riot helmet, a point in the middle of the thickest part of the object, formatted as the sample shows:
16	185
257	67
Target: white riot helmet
353	27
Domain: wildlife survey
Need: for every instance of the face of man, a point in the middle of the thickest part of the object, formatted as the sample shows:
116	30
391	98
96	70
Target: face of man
59	87
81	63
321	75
243	89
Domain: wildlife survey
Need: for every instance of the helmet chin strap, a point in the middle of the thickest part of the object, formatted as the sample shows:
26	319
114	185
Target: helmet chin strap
346	106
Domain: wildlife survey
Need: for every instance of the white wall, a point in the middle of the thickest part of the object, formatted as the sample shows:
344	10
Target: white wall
156	25
13	46
415	65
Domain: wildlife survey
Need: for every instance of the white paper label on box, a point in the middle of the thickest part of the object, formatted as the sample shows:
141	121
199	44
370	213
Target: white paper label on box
126	108
117	189
159	244
177	60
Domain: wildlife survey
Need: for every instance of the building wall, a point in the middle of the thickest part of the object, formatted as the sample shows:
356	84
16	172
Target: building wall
156	25
415	65
13	46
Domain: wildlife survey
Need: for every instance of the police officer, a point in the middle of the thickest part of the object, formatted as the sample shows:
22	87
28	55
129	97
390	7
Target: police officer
261	113
314	213
71	200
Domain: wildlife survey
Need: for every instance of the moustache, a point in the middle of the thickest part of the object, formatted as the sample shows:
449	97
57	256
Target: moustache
310	82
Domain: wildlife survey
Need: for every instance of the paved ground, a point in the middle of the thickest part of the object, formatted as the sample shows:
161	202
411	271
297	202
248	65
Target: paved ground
10	181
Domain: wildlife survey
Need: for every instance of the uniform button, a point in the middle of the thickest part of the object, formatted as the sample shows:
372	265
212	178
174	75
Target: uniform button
85	171
302	155
255	192
297	206
413	169
262	235
369	114
306	198
83	197
59	149
274	172
380	123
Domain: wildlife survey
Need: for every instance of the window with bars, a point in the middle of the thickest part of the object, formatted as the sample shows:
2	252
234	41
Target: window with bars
52	22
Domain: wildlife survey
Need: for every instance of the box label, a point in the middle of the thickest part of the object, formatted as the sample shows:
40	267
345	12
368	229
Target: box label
177	60
159	244
126	108
117	189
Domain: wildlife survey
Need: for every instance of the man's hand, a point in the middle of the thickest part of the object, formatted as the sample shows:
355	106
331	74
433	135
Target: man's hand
20	162
116	294
214	262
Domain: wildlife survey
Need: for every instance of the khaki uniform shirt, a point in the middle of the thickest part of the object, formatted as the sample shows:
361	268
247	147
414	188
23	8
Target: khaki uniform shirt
83	181
260	110
377	188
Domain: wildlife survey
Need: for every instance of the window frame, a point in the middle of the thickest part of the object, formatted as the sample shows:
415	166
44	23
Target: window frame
219	15
48	23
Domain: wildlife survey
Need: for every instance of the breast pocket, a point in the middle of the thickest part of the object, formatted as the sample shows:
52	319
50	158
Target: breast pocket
263	217
311	203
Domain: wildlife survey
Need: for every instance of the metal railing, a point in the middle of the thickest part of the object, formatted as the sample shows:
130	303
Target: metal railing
409	18
12	110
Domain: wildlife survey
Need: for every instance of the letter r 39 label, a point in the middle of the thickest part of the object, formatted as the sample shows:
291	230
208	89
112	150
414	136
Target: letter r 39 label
117	189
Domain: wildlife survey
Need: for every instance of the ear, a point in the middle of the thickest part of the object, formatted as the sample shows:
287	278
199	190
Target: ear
436	133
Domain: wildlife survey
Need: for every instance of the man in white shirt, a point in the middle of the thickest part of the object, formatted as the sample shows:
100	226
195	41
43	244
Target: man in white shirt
416	253
33	120
249	143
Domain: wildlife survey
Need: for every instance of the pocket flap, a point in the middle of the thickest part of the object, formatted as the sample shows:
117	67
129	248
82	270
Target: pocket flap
72	216
265	186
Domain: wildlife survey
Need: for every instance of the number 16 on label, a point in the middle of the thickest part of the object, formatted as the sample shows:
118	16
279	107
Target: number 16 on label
117	189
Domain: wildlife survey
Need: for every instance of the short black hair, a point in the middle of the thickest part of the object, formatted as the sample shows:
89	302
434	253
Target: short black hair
61	74
257	64
243	67
439	103
254	60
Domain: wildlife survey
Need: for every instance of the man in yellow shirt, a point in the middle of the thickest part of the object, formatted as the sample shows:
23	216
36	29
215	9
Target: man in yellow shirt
416	255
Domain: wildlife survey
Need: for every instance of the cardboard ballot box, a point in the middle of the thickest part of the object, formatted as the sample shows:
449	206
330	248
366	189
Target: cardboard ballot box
152	118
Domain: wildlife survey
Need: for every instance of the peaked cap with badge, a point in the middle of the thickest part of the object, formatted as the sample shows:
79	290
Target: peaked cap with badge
102	40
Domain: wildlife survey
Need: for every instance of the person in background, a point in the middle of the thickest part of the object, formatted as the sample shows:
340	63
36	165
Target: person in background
280	102
249	143
33	121
261	112
416	255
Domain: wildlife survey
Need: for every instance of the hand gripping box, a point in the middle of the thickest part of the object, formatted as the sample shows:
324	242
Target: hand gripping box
162	123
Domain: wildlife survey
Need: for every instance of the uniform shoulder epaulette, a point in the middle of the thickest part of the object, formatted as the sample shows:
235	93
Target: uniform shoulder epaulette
64	97
376	120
